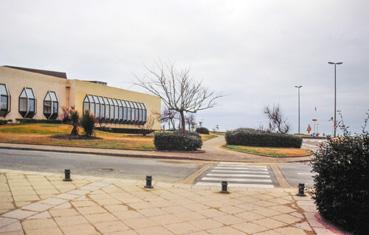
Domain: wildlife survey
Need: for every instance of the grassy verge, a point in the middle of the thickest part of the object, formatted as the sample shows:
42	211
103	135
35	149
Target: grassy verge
270	152
208	137
46	134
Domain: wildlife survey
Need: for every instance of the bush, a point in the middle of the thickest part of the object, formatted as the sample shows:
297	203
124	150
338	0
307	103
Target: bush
3	122
342	182
126	130
88	123
252	137
169	140
202	130
30	120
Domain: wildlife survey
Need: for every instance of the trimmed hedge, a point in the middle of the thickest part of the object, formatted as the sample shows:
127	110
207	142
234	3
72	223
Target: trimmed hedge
30	120
202	130
342	182
125	130
3	122
170	140
252	137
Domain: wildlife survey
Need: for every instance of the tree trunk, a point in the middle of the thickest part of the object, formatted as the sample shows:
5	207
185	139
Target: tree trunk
183	122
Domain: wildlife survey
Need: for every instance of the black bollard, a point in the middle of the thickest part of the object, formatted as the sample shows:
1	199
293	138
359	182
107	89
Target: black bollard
148	181
301	192
224	187
67	175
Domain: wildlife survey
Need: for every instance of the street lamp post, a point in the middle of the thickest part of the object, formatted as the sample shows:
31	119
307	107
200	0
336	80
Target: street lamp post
335	97
298	105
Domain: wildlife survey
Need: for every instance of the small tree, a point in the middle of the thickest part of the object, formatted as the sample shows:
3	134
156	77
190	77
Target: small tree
88	123
190	121
277	123
178	91
74	118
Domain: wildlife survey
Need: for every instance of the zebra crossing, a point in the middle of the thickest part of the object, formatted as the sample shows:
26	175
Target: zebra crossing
238	175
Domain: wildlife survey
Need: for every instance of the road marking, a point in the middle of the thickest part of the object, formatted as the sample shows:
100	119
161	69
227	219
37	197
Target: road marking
305	173
238	175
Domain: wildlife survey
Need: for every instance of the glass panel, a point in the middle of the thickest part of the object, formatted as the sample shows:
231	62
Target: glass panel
47	97
129	117
31	105
96	99
23	104
55	107
111	108
53	96
3	90
102	107
116	109
29	93
23	94
4	103
107	108
47	107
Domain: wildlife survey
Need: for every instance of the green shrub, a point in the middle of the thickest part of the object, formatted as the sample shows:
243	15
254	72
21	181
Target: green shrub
3	122
202	130
88	123
30	121
342	182
169	140
252	137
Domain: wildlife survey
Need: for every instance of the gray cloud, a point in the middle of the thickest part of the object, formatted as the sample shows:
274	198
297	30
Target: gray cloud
254	52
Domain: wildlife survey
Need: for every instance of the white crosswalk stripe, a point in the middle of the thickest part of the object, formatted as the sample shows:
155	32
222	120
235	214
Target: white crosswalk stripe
238	175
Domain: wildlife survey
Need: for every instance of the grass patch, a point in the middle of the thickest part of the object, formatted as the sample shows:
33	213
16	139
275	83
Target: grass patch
58	135
207	137
270	152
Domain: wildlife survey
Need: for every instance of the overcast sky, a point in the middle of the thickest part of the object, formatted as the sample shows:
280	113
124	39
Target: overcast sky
252	52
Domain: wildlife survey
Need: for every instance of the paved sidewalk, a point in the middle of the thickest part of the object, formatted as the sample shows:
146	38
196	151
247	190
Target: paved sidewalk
90	205
212	151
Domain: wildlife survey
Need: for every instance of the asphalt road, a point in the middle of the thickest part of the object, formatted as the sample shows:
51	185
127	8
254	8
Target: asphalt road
296	173
96	165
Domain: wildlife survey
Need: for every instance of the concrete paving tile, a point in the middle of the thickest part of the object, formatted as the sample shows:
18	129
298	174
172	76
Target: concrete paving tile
228	219
267	212
285	218
283	209
19	214
182	228
91	210
290	231
210	213
33	224
20	232
303	225
138	223
270	232
206	224
42	215
225	230
44	231
22	203
103	217
80	229
54	201
154	230
56	212
269	223
116	208
151	212
111	226
250	228
13	227
6	221
37	206
127	214
166	219
70	220
83	203
249	216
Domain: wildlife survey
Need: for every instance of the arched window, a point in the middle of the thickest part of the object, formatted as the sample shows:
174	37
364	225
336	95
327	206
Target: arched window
27	103
86	104
4	100
130	112
51	105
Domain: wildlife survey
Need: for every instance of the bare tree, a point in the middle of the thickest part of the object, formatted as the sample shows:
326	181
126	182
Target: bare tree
168	117
277	123
190	121
177	90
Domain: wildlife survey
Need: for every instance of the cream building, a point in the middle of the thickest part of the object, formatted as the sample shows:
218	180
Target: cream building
42	94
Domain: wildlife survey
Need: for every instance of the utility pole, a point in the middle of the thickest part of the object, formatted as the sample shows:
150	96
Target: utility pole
298	105
335	97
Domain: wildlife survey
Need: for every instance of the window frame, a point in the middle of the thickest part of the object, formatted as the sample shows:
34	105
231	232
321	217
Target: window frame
53	102
4	112
27	113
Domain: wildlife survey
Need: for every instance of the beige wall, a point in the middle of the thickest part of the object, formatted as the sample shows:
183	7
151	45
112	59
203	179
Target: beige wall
15	80
71	93
79	89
